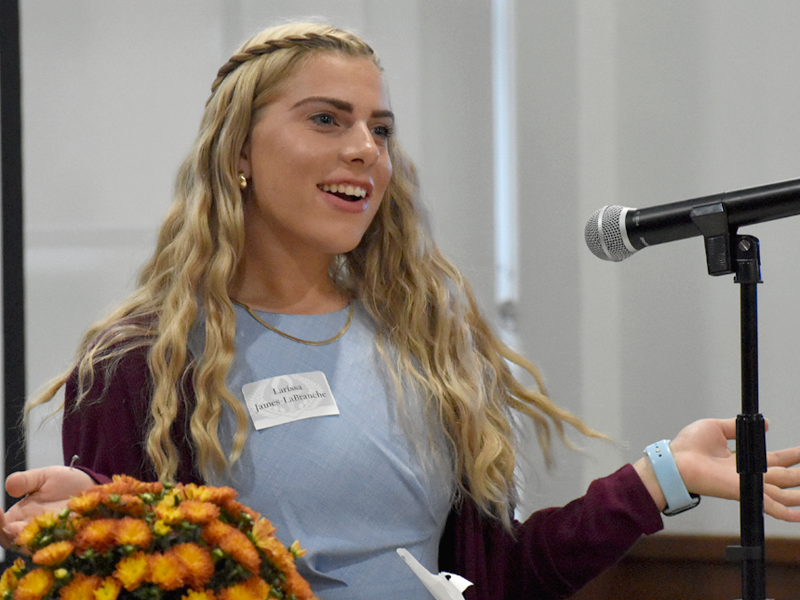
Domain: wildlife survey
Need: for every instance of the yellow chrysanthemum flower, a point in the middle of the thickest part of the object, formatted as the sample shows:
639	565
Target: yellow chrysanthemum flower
217	495
46	520
171	499
167	510
53	554
200	493
109	590
262	531
160	528
296	550
132	570
34	585
10	576
198	595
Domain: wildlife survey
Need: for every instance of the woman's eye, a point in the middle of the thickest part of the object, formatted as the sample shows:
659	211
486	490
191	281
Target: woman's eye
324	119
384	131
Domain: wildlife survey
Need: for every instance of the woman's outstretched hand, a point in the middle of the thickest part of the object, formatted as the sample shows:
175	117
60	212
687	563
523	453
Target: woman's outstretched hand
708	468
47	489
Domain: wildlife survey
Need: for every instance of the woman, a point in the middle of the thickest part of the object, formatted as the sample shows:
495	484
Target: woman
298	336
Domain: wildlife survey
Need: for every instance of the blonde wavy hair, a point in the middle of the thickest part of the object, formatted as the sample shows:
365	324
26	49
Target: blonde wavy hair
425	311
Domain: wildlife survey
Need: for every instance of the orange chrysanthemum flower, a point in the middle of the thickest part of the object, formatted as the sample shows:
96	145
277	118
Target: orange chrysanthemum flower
167	570
133	532
34	585
132	571
82	587
131	505
198	563
86	502
214	532
298	586
98	534
198	512
235	509
27	536
234	542
109	590
53	554
124	484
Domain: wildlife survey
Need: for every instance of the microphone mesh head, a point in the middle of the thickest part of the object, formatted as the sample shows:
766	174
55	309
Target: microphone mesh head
604	234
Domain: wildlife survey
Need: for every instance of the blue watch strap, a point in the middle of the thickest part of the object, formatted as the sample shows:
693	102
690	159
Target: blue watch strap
669	478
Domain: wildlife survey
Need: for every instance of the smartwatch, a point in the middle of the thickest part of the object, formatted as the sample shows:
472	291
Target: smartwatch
669	478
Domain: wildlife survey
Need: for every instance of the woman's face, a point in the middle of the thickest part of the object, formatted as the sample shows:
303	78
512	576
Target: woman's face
317	159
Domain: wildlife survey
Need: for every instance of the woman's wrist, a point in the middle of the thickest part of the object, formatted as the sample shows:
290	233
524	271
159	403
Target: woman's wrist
672	497
650	481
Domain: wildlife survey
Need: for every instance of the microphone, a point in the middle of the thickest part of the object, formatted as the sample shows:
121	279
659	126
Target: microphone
616	232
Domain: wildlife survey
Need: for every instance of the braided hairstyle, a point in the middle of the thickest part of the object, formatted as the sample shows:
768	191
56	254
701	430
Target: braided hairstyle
429	327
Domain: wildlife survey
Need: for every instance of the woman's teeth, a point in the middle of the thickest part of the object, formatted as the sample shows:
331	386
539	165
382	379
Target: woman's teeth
353	191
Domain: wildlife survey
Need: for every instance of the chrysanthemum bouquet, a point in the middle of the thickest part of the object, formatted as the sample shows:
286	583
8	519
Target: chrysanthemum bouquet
128	539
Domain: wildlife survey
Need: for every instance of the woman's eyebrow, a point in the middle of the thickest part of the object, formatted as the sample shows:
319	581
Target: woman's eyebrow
344	106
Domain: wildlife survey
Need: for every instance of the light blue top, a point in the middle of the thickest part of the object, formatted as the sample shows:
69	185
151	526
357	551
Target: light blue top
351	488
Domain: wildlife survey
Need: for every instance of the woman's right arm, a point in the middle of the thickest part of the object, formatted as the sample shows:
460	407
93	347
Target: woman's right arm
102	436
105	432
47	489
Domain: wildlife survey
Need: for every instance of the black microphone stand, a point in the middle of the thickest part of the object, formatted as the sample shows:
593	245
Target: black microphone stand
728	252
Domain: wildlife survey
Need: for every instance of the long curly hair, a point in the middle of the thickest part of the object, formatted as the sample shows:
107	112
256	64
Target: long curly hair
425	311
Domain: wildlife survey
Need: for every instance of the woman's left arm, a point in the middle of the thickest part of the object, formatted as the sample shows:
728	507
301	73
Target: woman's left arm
708	468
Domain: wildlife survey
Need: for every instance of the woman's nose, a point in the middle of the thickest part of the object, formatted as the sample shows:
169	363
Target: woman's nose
360	145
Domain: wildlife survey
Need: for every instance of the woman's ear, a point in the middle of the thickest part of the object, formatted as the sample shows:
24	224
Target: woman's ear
244	160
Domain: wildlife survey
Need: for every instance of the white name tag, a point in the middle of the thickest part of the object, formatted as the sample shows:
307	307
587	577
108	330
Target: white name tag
288	398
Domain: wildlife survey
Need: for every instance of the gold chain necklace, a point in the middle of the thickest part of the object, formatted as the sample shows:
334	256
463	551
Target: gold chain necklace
296	339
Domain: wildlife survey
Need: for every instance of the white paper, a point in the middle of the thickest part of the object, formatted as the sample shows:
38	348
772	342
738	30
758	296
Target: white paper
444	586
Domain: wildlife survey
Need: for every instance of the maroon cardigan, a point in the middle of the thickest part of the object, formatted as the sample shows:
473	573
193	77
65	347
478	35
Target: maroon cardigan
551	555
